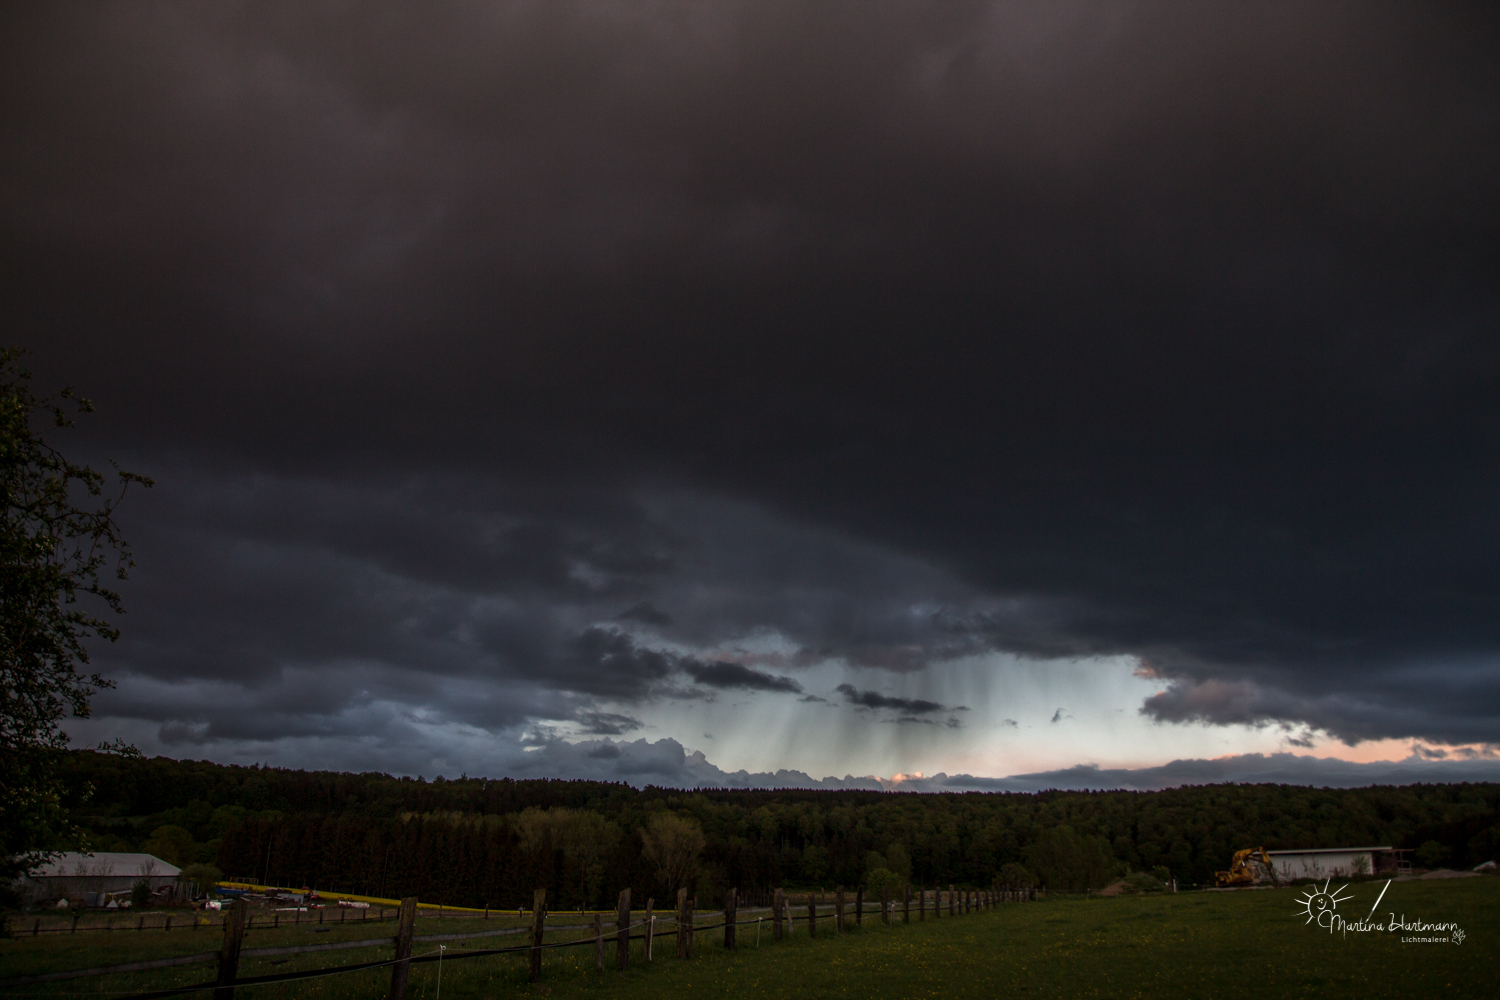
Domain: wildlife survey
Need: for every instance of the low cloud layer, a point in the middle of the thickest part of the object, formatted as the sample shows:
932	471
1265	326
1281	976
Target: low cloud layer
666	763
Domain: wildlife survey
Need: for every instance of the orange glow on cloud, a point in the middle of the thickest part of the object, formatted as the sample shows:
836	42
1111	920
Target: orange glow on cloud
1374	750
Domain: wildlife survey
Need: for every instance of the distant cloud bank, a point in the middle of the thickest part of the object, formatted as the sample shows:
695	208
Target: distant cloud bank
668	763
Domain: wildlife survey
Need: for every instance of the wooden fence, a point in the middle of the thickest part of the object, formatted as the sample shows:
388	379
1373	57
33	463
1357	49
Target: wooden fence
785	912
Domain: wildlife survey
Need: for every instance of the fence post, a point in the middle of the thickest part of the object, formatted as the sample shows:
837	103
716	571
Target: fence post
682	923
406	925
859	906
812	915
838	911
885	904
731	911
229	951
599	940
622	931
538	926
906	903
952	902
692	922
650	926
778	903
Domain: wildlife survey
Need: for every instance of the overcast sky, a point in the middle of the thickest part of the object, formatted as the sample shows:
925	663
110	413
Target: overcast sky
664	391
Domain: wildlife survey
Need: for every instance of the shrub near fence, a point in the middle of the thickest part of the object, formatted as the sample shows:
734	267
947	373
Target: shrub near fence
237	920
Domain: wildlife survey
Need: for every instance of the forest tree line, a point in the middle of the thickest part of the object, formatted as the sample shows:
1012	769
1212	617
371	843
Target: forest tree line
490	842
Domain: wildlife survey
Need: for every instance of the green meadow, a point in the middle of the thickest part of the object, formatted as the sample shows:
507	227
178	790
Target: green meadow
1202	944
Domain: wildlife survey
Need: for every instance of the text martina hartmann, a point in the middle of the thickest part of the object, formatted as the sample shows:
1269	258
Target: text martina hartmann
1332	922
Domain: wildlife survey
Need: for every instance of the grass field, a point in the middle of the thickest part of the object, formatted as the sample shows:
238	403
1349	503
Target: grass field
1208	945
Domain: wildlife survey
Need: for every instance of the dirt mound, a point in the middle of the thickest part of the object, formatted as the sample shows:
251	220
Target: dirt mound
1133	883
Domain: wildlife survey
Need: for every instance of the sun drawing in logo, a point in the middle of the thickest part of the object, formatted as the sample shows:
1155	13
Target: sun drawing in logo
1320	901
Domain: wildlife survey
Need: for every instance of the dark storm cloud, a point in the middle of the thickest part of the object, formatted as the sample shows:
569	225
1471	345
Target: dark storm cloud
1155	329
607	723
874	699
733	675
646	614
267	614
609	663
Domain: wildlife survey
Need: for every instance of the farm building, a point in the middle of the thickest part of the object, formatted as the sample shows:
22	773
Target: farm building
86	878
1332	862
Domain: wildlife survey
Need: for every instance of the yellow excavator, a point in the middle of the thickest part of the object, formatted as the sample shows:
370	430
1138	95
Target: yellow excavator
1243	869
